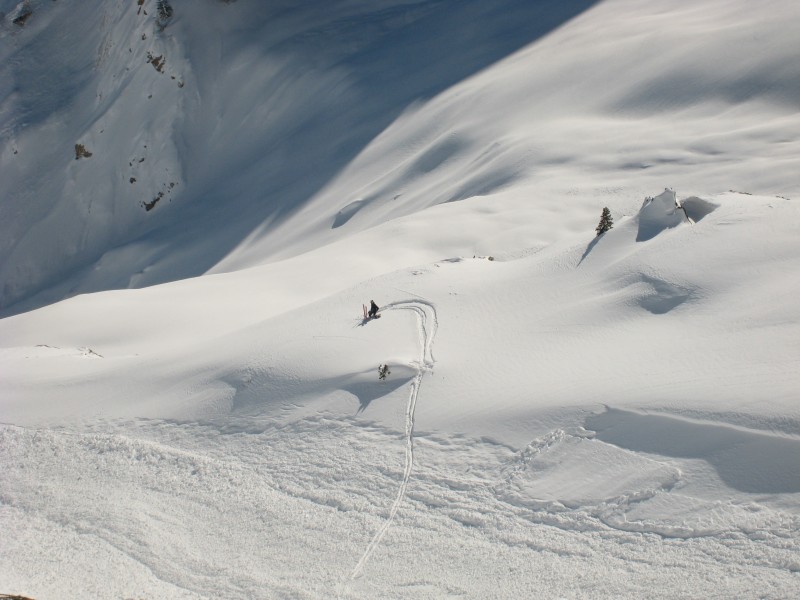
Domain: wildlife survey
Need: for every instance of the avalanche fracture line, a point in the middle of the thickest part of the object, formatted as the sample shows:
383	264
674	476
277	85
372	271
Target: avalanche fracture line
428	322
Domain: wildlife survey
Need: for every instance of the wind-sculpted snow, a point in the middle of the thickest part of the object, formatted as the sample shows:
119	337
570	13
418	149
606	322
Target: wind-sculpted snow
634	487
746	460
658	214
697	209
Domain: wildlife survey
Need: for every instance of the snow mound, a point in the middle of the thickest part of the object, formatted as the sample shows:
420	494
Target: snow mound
745	460
347	213
576	470
658	214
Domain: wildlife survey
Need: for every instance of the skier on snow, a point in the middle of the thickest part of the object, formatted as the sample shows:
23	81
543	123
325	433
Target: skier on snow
373	309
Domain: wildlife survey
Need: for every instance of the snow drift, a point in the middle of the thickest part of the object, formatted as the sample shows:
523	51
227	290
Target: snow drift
658	214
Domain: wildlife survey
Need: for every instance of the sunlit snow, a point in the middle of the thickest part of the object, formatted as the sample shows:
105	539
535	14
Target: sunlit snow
190	401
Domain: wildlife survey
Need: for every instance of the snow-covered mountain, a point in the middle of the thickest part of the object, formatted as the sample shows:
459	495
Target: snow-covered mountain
259	130
196	198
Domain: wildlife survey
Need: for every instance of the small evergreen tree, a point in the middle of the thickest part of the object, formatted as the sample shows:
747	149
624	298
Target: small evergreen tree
606	222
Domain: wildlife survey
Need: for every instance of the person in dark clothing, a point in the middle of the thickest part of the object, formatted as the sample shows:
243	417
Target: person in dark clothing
373	309
383	371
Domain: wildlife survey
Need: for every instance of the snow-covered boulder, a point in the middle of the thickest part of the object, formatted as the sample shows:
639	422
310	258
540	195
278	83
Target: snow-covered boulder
658	214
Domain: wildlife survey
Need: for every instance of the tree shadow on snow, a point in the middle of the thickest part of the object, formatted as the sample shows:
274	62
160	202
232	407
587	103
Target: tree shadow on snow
590	247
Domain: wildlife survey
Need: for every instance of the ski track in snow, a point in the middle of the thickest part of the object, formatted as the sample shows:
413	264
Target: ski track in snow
427	319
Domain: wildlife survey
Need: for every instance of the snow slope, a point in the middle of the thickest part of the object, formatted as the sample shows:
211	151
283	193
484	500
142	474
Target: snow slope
253	109
567	416
274	129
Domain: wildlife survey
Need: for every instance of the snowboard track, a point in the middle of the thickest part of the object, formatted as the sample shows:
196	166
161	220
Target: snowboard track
427	324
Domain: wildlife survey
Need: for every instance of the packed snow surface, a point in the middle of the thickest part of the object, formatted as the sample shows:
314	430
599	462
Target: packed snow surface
190	404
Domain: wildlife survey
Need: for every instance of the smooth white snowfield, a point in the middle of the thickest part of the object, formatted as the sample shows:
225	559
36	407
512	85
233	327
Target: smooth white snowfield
567	416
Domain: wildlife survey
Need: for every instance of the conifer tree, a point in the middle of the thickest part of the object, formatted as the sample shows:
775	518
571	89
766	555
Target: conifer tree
606	222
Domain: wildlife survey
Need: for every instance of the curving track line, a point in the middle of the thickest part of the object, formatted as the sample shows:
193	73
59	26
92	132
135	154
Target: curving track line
428	323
